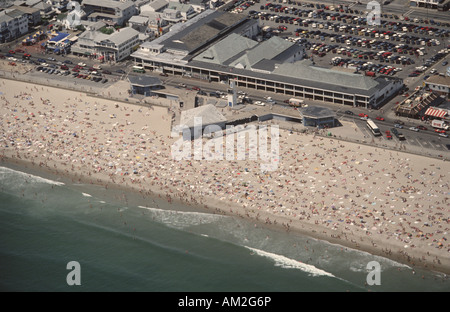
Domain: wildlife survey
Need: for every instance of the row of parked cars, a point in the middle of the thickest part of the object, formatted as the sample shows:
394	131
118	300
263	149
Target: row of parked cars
347	19
63	71
428	63
369	68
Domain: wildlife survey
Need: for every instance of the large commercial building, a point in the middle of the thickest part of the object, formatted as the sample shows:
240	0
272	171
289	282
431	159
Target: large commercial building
223	47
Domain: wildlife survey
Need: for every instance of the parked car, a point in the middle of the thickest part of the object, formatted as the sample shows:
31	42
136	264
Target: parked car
388	135
422	127
414	129
398	126
439	130
379	118
347	112
107	72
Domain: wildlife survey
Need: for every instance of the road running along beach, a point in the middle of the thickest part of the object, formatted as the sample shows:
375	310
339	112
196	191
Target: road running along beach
381	201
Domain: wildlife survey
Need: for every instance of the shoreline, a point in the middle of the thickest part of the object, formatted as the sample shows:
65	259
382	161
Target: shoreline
312	231
324	188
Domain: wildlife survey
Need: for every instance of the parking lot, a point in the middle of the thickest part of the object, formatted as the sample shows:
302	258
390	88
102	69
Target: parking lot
76	72
339	37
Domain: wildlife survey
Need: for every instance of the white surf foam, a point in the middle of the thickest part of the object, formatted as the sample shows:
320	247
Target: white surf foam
288	263
181	219
6	172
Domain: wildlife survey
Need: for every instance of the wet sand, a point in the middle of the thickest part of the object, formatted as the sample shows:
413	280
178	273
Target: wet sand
388	203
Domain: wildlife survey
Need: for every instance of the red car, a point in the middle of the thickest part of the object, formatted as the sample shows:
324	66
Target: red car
388	135
380	118
422	127
196	88
363	115
439	130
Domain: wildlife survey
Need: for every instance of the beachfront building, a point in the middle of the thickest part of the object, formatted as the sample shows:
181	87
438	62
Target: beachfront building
110	11
219	46
317	116
144	85
209	115
13	24
106	47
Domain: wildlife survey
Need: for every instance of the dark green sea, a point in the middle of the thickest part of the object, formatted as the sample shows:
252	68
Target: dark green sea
125	242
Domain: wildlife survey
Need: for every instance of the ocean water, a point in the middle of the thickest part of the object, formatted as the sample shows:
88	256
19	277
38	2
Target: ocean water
125	242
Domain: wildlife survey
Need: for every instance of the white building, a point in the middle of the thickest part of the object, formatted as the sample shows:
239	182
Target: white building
13	24
114	47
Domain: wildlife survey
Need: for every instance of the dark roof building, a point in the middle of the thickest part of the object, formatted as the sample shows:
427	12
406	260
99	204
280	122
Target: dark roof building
144	85
317	116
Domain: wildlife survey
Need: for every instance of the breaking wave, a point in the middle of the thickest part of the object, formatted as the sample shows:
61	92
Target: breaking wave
287	263
181	219
14	176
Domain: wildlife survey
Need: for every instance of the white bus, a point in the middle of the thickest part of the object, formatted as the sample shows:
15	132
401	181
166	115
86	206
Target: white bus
138	69
295	102
373	127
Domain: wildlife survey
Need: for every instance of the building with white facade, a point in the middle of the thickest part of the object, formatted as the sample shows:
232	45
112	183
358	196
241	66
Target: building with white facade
13	24
114	47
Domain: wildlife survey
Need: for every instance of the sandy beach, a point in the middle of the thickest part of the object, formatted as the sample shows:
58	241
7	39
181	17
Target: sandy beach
388	203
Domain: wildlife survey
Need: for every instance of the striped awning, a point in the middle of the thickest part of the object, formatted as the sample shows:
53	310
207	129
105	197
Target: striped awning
435	112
